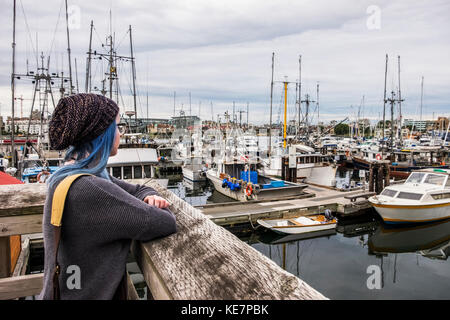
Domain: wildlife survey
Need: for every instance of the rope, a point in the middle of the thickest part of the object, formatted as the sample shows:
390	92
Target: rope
29	33
54	32
251	223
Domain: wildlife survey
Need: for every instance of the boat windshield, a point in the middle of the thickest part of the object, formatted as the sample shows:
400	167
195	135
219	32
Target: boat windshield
435	179
409	195
389	193
415	177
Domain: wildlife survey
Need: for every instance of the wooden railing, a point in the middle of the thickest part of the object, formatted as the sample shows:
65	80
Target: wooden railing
201	261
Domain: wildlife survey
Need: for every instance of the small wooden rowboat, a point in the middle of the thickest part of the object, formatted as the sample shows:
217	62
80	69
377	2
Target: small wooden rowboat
298	225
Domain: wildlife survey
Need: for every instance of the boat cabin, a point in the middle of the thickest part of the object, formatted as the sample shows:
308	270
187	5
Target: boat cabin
133	163
424	185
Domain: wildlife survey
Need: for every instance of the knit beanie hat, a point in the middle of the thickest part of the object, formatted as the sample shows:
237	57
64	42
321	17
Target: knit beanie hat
80	118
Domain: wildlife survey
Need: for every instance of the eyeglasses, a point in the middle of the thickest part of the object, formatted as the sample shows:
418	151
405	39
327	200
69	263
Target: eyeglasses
122	129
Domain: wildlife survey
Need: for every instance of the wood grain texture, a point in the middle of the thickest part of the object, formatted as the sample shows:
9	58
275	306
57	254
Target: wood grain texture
22	199
201	261
21	286
205	261
16	225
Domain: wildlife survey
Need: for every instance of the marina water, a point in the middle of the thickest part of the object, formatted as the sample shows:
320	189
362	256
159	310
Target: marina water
363	259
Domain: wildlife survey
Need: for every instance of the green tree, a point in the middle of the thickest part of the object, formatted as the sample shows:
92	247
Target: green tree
341	129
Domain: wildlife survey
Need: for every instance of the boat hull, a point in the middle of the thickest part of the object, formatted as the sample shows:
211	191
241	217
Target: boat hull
298	230
412	214
264	194
193	175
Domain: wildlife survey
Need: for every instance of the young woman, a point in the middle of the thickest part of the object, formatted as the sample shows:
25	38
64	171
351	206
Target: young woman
102	214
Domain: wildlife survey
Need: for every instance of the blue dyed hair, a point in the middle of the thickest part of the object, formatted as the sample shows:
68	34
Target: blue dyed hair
90	157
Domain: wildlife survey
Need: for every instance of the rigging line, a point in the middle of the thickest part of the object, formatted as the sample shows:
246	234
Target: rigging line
28	30
118	46
56	28
99	39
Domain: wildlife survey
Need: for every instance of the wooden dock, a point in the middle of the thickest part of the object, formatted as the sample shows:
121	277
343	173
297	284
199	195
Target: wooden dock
201	261
317	200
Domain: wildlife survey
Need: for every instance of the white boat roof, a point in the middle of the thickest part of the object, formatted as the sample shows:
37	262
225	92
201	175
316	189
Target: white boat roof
132	156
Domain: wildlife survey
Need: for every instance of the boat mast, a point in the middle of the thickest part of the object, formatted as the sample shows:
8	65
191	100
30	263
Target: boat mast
271	99
68	50
285	114
13	147
299	88
384	102
88	83
174	98
76	76
133	66
317	104
400	103
247	113
421	99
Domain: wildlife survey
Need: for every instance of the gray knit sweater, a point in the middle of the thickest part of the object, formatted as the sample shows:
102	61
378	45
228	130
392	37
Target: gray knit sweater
100	219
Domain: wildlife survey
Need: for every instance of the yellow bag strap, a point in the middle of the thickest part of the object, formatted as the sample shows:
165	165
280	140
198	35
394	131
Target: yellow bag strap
59	198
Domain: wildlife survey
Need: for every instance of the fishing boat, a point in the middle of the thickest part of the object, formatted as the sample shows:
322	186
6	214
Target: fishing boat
194	169
313	167
424	197
238	179
299	225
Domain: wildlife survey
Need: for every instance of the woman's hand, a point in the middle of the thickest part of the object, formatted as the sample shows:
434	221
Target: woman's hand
156	201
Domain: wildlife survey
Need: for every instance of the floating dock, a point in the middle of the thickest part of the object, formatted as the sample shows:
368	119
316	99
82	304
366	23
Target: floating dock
315	200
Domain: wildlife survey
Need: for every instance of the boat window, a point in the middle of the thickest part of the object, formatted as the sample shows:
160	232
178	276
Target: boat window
415	177
389	193
441	196
448	182
116	172
137	172
409	196
436	179
127	172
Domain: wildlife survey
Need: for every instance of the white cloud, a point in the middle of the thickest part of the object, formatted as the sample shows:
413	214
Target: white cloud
221	51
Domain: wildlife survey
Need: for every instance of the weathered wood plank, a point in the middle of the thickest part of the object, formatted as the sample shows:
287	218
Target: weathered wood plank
205	261
22	199
21	286
16	225
5	257
132	294
22	262
201	261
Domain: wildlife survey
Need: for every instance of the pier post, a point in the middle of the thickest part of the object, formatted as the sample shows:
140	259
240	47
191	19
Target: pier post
378	176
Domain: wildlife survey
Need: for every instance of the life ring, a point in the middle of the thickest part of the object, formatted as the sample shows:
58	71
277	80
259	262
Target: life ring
249	190
40	175
378	157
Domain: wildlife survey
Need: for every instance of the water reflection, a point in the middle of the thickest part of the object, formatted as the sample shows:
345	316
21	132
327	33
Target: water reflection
413	261
426	239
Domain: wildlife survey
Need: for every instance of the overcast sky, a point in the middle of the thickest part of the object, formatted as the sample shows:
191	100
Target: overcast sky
221	51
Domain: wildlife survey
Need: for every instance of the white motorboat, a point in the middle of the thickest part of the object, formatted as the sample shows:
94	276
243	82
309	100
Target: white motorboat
298	225
424	197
